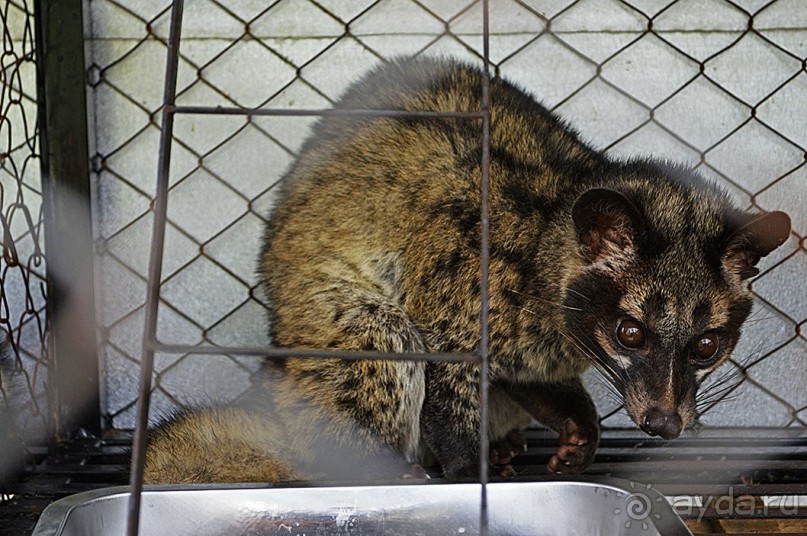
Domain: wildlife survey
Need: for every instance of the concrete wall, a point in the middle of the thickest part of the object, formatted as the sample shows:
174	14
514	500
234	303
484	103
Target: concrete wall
700	88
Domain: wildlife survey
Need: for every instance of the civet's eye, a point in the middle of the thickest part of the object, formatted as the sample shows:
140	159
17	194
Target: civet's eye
630	334
707	345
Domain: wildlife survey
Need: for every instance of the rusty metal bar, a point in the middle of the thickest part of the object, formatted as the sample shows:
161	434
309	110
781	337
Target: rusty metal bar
281	112
484	286
160	208
312	353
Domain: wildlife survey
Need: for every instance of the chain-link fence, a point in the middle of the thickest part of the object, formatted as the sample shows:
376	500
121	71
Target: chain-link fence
22	265
716	84
720	85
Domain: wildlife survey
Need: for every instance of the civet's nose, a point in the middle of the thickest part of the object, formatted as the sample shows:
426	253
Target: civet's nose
664	423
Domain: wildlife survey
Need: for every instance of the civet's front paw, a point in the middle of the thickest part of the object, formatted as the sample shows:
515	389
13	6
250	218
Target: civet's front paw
576	447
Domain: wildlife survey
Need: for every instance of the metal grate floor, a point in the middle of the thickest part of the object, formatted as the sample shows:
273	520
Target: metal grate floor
716	466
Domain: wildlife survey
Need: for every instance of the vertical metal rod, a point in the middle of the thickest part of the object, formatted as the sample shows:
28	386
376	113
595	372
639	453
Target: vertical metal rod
485	270
155	271
73	379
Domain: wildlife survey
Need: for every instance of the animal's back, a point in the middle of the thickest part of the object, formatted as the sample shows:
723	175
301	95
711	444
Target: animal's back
394	202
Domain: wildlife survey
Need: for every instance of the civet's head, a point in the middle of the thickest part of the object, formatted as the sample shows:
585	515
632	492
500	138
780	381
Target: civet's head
662	293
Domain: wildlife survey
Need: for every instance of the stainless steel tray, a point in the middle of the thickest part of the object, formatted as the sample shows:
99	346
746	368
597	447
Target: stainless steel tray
583	506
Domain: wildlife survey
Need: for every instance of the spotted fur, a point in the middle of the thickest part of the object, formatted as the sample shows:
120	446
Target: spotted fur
374	241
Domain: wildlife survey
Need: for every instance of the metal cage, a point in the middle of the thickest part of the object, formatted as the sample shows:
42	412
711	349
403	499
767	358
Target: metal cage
81	440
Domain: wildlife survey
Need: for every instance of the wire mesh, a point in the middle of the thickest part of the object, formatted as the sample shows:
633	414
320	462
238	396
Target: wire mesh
715	84
23	293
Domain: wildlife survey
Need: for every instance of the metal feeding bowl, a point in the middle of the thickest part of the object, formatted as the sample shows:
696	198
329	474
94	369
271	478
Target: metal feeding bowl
581	506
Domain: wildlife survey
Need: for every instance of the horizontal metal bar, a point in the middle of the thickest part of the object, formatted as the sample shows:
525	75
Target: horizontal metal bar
233	110
689	466
710	437
700	442
743	511
81	470
621	455
716	490
38	492
283	353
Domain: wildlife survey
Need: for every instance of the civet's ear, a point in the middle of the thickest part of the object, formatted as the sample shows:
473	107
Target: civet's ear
607	223
757	236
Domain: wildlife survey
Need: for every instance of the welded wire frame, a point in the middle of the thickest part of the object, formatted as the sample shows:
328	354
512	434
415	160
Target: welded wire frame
152	345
